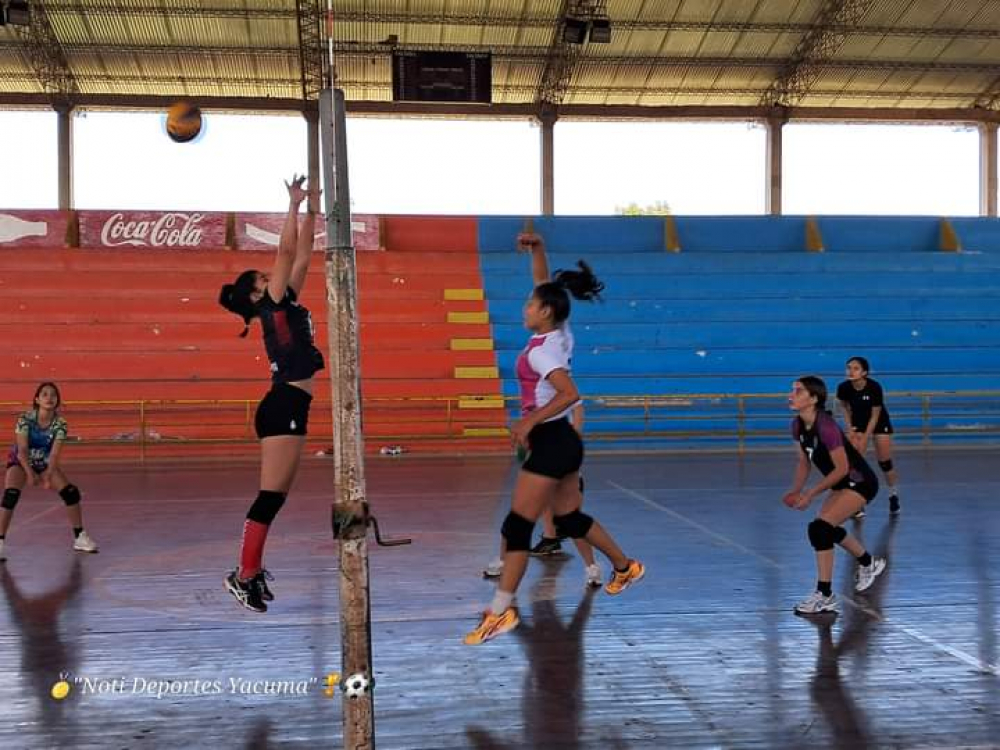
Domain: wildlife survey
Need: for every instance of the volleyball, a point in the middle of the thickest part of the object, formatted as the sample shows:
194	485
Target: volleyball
183	122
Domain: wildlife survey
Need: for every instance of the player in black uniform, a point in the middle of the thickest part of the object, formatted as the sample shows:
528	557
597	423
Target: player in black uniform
866	416
852	485
283	413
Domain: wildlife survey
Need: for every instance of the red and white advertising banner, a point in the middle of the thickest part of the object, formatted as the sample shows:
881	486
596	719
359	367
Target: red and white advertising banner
262	231
33	228
155	229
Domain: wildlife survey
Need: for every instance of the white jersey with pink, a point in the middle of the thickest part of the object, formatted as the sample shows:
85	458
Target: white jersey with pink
544	353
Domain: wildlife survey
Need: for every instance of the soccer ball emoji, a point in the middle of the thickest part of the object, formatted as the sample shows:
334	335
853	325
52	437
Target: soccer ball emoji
356	685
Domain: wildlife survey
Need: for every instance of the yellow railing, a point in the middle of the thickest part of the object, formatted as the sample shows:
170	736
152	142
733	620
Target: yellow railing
728	420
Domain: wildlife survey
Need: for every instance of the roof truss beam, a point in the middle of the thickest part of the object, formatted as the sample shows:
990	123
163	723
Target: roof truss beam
46	57
520	111
157	9
313	63
990	98
538	55
836	20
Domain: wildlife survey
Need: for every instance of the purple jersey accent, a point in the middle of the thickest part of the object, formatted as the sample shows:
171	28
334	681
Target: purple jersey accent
821	440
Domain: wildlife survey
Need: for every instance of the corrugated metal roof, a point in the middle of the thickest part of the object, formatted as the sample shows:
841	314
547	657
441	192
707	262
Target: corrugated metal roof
899	53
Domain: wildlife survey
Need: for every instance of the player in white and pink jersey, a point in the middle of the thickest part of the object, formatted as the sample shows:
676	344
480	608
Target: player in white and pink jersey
550	543
550	476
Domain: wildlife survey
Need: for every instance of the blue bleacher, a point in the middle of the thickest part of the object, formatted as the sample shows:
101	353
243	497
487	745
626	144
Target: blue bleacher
744	308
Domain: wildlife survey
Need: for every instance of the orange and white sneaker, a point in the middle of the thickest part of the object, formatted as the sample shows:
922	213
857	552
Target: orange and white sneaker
493	625
621	581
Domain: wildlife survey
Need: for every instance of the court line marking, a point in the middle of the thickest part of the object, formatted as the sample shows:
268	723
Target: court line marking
38	515
981	666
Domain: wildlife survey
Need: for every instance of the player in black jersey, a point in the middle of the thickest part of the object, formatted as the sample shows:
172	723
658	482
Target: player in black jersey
866	416
283	413
851	482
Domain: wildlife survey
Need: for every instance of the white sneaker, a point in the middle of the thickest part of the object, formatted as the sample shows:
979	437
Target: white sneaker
84	543
816	603
494	569
866	575
2	555
594	577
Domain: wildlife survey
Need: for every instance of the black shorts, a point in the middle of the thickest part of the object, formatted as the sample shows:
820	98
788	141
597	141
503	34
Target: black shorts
867	487
555	449
882	427
283	411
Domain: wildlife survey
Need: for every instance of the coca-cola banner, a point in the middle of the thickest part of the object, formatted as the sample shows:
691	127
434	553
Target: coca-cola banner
262	231
166	229
33	228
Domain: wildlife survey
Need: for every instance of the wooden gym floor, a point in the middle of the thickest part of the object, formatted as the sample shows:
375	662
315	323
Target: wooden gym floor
704	653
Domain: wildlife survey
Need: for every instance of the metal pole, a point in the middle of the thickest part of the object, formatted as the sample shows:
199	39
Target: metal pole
349	512
741	422
773	167
547	120
64	136
988	169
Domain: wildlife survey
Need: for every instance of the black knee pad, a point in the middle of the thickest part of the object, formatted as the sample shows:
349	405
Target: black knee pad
885	466
70	495
575	525
266	506
10	497
823	535
517	530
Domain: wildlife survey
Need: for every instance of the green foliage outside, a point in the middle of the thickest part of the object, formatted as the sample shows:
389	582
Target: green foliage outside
659	208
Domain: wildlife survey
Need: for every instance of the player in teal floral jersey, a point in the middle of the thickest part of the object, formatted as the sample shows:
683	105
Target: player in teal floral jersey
34	460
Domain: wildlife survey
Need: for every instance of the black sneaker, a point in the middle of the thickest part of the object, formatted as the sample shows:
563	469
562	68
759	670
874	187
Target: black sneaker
261	580
547	546
893	505
247	593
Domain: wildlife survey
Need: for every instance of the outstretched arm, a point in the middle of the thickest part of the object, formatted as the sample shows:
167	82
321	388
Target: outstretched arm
281	273
533	243
306	239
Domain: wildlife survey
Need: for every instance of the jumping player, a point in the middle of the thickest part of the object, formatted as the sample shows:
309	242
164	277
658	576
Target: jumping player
550	544
852	485
35	459
550	475
283	413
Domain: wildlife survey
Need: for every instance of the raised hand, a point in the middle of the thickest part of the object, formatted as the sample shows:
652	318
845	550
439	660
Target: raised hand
529	241
296	193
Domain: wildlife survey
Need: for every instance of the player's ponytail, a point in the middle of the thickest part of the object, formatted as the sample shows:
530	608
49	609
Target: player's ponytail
235	298
582	284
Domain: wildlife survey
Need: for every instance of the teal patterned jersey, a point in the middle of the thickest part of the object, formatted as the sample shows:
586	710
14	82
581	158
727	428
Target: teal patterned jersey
40	439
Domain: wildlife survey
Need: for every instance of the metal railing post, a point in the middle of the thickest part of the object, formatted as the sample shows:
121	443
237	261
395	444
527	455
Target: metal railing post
926	417
142	431
741	427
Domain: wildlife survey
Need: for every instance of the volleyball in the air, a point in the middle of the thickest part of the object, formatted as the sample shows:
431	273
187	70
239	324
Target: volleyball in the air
183	122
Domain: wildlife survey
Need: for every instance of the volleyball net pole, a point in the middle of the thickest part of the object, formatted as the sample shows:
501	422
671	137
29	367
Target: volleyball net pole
349	513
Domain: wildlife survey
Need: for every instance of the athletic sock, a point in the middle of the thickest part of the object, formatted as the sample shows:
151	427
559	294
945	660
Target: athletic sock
252	552
865	559
501	600
824	587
